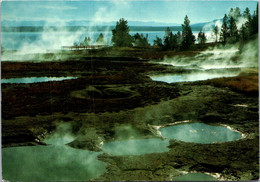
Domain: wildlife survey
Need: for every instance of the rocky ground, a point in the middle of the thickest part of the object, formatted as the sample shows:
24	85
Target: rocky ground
113	94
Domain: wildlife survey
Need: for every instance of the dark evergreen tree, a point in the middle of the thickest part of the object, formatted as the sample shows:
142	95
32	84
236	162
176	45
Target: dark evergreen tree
224	30
245	29
237	14
231	12
179	38
120	35
243	33
158	42
100	40
202	38
86	42
254	22
167	38
246	14
232	31
140	40
216	32
187	37
170	40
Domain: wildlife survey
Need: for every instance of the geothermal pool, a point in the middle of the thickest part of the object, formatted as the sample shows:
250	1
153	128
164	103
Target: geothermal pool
50	163
200	133
60	162
136	147
35	79
189	77
195	177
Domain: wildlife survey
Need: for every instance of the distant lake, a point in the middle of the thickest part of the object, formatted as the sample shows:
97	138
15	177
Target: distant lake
55	40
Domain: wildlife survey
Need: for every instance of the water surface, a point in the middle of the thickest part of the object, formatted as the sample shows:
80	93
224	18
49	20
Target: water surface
189	77
200	133
50	163
35	79
136	147
195	177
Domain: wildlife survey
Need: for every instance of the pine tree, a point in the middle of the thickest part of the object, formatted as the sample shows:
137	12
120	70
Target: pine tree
167	38
237	14
201	38
224	30
187	37
140	40
179	38
170	40
120	35
158	42
246	14
254	22
232	30
243	33
100	40
216	32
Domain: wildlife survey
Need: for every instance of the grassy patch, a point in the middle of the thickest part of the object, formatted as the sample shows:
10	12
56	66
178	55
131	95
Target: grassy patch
247	84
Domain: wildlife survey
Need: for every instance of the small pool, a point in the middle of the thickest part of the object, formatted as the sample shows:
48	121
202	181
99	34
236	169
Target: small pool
35	79
50	163
200	133
136	147
189	77
195	177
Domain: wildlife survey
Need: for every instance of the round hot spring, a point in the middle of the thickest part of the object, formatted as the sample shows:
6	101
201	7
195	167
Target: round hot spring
200	133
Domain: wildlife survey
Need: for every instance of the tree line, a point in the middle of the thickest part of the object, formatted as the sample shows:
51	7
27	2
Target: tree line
87	41
122	38
230	33
184	39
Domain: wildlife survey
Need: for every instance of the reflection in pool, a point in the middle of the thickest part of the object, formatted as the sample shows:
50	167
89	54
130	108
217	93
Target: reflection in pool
136	147
195	177
189	77
35	79
50	163
200	133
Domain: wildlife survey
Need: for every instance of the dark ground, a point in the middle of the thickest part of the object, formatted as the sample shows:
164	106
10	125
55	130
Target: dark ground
116	91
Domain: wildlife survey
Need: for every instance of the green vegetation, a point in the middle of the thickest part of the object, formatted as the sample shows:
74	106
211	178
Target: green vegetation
140	40
229	30
120	35
158	42
201	38
216	32
100	40
224	30
171	41
86	42
187	37
229	33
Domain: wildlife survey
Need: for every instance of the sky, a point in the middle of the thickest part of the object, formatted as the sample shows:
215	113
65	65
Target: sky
112	10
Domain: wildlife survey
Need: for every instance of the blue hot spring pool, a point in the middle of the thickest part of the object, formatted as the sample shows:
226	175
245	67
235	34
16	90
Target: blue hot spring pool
50	163
190	77
200	133
35	79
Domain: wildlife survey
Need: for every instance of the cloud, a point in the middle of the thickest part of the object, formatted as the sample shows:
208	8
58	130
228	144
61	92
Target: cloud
58	7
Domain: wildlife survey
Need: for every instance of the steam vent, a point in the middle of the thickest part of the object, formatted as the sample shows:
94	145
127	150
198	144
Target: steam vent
129	90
